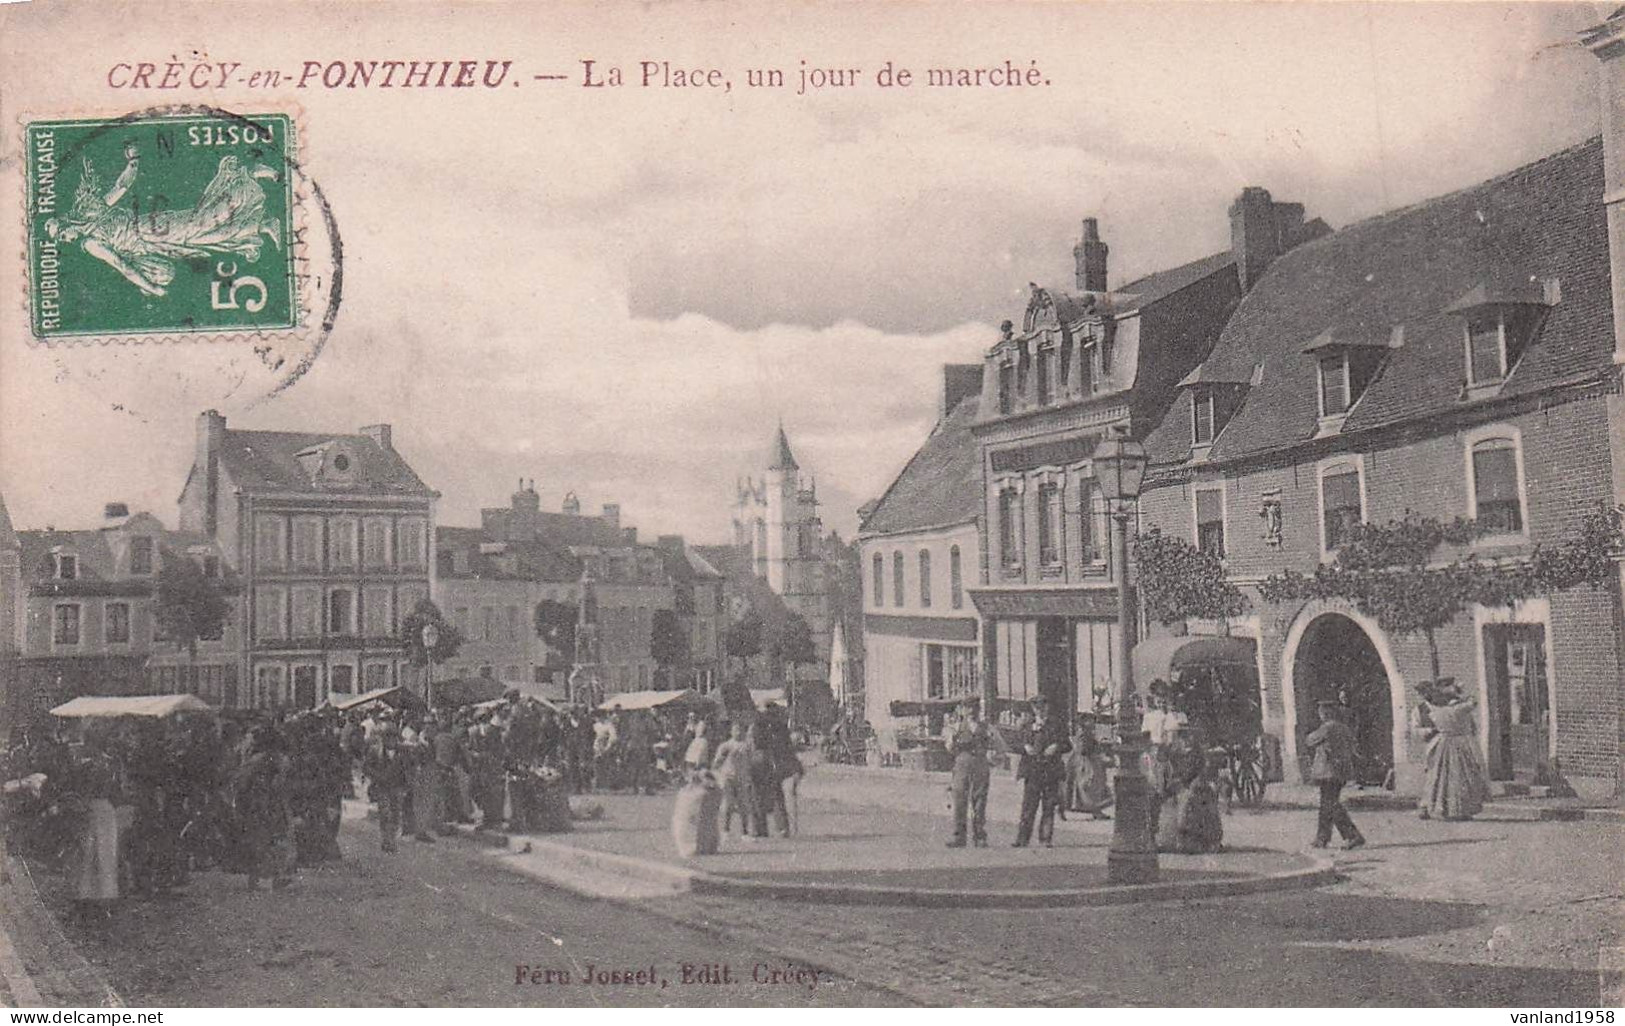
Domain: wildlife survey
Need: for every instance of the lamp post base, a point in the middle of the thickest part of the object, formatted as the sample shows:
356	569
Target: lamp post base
1133	855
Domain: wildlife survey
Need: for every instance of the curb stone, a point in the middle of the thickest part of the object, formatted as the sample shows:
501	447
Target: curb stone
70	980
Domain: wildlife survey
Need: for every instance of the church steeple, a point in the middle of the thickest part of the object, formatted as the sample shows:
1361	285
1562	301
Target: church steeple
782	459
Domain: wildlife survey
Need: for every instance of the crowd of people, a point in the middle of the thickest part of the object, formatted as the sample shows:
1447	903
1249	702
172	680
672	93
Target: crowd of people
134	805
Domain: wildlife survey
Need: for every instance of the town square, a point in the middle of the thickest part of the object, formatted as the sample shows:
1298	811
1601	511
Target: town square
882	527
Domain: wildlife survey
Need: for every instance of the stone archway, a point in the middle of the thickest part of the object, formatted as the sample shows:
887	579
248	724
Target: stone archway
1332	651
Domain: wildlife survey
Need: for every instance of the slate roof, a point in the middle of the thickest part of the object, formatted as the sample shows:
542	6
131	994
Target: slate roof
268	461
535	560
941	485
688	565
1406	268
727	560
96	560
780	457
1162	284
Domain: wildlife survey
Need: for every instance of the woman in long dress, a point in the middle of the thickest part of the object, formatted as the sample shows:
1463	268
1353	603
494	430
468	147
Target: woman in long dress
99	785
1454	784
1087	787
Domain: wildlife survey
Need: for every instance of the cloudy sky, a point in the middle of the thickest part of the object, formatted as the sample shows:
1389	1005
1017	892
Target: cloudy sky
620	291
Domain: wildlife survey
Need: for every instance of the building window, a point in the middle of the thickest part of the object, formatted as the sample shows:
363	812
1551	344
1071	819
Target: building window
1010	528
952	671
141	556
67	567
956	579
897	583
341	679
1486	357
269	541
375	542
268	687
1049	524
925	579
116	623
488	623
1340	504
268	618
211	566
307	543
341	542
1210	521
1043	377
1497	497
487	672
1007	387
307	612
512	624
375	613
1334	384
377	676
65	625
409	537
877	586
1066	365
340	611
1202	417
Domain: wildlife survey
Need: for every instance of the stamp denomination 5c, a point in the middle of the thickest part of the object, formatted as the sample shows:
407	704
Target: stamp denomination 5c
162	224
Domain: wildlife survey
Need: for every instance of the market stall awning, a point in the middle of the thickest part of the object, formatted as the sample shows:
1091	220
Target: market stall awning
761	696
398	697
1165	656
98	706
630	700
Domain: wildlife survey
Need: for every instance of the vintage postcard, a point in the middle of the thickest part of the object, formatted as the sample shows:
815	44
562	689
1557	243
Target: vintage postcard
853	504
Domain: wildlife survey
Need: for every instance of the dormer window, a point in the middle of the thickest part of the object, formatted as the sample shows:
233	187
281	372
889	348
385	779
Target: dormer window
1334	385
1496	338
1066	364
141	556
1007	388
1501	319
67	567
1043	377
1202	421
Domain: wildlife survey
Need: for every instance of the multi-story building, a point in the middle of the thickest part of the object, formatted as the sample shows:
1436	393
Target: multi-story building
1083	364
88	615
776	523
918	544
332	538
520	556
702	611
1460	357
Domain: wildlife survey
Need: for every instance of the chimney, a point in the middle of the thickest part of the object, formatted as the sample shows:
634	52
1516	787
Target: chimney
1254	237
1607	42
572	505
1089	255
382	434
673	543
959	380
115	510
211	439
612	514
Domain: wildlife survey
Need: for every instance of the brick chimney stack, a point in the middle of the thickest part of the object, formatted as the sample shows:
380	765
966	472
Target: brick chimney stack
1089	257
383	434
958	381
211	439
612	514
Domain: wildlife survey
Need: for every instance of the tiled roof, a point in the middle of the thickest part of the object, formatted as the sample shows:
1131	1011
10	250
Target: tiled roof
1405	269
728	560
268	461
94	549
941	485
8	536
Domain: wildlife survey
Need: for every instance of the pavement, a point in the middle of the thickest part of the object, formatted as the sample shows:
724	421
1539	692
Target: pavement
1515	911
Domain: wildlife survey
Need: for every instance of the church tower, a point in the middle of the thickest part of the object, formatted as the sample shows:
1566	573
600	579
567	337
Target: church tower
776	524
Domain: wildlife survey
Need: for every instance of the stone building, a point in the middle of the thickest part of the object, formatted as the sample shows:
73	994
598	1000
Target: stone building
331	536
520	556
1460	357
776	525
701	604
87	623
919	548
1083	363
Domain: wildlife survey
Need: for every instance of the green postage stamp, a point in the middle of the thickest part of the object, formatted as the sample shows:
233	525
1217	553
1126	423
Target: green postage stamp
162	224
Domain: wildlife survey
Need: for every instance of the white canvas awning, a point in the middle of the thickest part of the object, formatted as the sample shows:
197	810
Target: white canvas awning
100	706
630	700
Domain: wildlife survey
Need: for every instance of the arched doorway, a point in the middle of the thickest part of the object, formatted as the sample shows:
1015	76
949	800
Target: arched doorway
1336	659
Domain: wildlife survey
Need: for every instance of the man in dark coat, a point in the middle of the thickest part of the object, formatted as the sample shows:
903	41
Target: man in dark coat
1333	745
1042	768
386	767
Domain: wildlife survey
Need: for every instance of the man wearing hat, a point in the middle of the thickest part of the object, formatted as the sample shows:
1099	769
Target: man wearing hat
969	743
1043	765
1333	745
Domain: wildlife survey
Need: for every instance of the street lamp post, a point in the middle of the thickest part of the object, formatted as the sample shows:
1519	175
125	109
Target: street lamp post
431	638
1119	466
